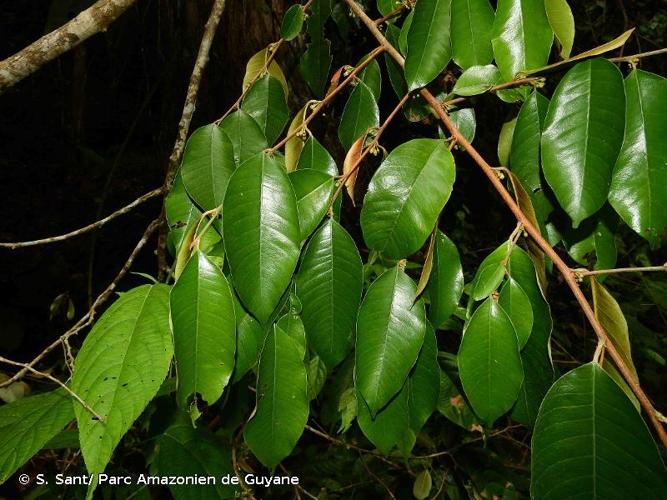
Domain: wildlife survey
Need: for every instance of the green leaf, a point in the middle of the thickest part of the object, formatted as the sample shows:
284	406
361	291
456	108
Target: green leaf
313	190
266	103
453	405
317	376
399	423
505	142
390	333
184	451
208	162
405	197
472	28
120	368
489	362
594	242
403	36
371	76
27	424
282	398
255	70
422	485
295	145
516	304
464	120
477	80
292	22
395	72
261	233
315	156
590	442
446	282
249	339
202	315
491	272
245	134
562	23
360	114
522	36
329	285
638	189
386	7
316	61
429	45
583	132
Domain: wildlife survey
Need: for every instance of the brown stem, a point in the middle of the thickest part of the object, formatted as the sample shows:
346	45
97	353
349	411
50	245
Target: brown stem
534	232
585	272
396	12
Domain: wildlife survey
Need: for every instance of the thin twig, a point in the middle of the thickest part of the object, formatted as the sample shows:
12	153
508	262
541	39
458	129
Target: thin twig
636	57
374	476
83	230
581	272
396	12
531	80
298	487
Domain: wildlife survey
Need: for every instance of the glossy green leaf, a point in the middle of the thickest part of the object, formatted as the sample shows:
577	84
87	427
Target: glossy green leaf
360	114
266	103
329	285
282	398
245	134
183	451
204	326
405	197
638	188
399	423
477	80
472	28
594	242
505	141
489	362
208	162
403	35
453	405
387	6
516	303
372	77
249	340
522	36
491	272
261	233
429	45
315	156
446	281
390	333
120	368
561	20
313	190
316	61
292	22
27	424
317	376
464	120
589	442
394	71
583	132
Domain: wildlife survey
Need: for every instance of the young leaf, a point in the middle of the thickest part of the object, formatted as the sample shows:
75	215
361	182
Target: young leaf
360	114
583	132
477	80
208	162
295	145
282	399
313	190
516	304
638	189
429	45
446	283
202	315
472	28
489	362
119	369
314	156
249	340
27	424
505	142
589	441
390	334
292	22
491	272
245	134
255	68
329	285
405	197
260	225
265	102
562	23
522	36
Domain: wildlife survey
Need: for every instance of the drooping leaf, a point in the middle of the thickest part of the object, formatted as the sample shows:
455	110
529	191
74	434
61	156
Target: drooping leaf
428	43
390	333
371	76
202	315
505	141
313	190
405	197
360	114
119	369
522	36
282	399
446	283
208	162
292	22
245	135
477	80
583	132
316	61
590	442
329	285
491	272
562	23
315	156
295	144
249	340
261	233
255	69
489	362
27	424
395	72
638	189
266	103
351	166
403	35
516	303
472	28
